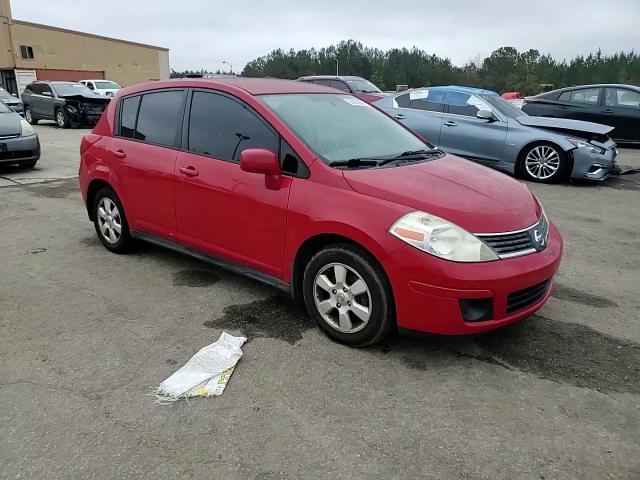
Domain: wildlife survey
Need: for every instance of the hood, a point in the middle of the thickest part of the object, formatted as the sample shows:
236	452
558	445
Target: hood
10	124
86	98
564	124
477	198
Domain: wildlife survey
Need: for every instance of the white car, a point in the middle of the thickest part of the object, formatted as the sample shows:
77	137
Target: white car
104	88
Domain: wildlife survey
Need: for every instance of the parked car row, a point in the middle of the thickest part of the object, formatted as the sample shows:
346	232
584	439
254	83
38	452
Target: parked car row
318	193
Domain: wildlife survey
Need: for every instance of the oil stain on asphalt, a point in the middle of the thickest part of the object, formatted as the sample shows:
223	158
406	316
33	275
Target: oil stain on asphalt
568	353
555	350
55	189
194	278
570	294
274	317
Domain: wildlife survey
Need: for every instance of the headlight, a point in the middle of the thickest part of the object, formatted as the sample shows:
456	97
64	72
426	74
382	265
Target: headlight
441	238
27	130
576	142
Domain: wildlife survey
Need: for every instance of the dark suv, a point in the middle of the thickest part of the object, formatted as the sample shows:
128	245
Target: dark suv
358	86
66	103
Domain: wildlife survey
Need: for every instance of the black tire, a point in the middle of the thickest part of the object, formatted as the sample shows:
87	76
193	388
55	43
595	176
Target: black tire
62	118
28	116
528	171
27	165
124	242
382	308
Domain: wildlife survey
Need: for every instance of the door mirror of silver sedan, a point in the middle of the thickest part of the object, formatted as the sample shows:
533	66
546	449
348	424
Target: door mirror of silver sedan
486	115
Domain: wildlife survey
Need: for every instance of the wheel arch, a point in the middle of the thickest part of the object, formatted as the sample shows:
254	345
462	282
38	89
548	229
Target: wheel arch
317	242
94	187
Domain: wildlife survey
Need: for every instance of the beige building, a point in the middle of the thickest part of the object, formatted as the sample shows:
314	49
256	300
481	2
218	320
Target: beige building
30	51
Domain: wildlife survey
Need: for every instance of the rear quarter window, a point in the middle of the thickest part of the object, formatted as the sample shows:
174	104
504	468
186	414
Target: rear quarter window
160	117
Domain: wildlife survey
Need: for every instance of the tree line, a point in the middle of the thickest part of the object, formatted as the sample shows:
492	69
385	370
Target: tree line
506	69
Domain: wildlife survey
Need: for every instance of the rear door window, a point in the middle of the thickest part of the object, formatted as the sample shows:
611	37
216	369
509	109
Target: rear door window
128	116
583	95
160	117
428	100
222	127
621	97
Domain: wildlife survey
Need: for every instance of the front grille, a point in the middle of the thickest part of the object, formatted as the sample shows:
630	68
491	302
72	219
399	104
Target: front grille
526	297
20	154
93	109
522	242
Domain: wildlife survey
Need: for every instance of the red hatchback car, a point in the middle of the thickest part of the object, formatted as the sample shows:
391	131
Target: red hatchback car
323	196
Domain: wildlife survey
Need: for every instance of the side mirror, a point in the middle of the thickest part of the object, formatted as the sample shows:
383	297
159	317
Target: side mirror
485	115
259	160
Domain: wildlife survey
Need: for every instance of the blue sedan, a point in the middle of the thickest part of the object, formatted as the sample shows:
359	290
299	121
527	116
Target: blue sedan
481	126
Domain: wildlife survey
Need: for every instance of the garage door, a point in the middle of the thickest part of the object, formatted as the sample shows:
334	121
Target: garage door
68	75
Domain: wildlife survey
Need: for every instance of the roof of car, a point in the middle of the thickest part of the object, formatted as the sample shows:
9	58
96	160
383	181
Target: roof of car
253	86
595	85
55	82
462	89
330	77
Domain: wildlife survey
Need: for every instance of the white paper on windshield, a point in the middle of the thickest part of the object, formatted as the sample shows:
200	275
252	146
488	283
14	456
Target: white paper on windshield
476	102
418	94
355	101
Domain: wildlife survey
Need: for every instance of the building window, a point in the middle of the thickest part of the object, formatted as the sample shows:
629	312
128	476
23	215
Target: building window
26	52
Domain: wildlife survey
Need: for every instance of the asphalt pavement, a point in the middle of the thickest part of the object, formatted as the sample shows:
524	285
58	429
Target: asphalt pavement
86	335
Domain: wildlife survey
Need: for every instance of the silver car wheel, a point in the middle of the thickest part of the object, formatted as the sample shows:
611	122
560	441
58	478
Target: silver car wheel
542	162
27	115
60	118
109	220
342	298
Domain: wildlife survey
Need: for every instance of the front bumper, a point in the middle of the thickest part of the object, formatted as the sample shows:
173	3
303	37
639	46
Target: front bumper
428	290
19	150
595	166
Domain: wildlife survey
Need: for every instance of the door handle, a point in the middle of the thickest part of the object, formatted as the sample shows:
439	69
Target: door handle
451	124
119	153
560	107
608	110
189	171
399	117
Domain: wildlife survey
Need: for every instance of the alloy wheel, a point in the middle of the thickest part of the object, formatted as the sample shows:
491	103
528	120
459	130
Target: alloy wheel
60	118
342	298
109	220
542	162
27	115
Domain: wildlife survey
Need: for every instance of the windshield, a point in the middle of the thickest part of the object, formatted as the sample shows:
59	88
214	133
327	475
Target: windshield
362	85
341	127
4	95
503	107
107	85
4	108
72	89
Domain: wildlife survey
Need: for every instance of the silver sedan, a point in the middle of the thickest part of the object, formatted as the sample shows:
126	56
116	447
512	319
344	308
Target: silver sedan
479	125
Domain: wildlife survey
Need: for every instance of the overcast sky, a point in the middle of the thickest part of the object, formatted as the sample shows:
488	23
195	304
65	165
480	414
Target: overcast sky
204	33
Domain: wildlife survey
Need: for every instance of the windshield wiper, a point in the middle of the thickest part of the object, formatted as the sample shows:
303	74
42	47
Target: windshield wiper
356	162
412	155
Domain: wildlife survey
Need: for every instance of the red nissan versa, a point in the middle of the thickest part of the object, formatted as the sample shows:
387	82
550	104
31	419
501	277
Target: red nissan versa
319	194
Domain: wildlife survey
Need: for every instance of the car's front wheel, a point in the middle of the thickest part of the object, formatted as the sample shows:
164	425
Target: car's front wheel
62	119
111	222
28	116
347	293
544	162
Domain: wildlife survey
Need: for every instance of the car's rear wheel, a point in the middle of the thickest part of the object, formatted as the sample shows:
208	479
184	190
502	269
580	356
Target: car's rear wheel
347	293
28	116
62	119
111	222
544	162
